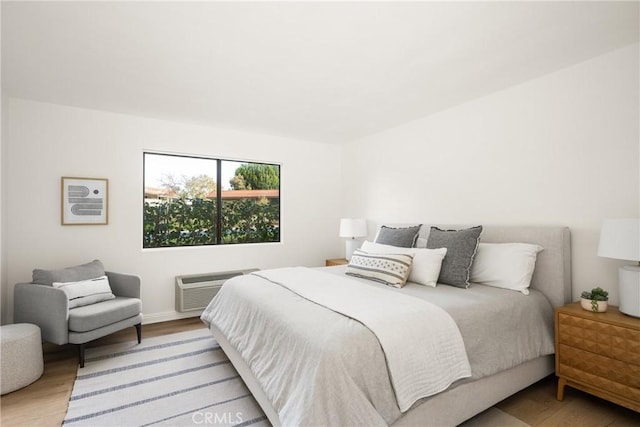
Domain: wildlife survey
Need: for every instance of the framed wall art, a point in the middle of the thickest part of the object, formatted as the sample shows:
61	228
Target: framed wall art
85	201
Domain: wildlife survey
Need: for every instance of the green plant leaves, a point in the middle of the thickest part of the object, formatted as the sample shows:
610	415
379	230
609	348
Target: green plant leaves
192	222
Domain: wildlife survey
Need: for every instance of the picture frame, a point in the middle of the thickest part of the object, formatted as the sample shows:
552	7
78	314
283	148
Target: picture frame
84	201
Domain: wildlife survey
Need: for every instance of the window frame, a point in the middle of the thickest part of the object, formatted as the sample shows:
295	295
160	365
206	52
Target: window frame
218	200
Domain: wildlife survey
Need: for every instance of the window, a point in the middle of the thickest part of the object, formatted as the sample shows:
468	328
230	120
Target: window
194	201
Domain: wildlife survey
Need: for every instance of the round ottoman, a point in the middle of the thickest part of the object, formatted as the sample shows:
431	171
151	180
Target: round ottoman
21	355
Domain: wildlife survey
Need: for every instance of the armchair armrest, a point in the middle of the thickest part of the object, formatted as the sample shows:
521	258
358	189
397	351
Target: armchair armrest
124	285
44	306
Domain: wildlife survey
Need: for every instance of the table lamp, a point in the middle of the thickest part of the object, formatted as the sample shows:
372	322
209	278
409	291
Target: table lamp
620	239
352	228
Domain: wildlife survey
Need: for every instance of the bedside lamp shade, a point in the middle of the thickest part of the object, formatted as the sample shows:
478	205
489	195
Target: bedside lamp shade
352	228
620	239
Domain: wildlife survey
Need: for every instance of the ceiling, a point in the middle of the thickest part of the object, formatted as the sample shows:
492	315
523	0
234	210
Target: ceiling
326	72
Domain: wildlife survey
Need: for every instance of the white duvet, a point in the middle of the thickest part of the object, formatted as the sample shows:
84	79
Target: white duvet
315	360
421	342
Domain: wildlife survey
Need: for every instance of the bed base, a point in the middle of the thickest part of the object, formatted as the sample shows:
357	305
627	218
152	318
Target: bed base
247	376
448	408
460	403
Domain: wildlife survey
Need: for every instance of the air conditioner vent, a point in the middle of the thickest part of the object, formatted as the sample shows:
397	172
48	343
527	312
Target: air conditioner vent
195	291
199	278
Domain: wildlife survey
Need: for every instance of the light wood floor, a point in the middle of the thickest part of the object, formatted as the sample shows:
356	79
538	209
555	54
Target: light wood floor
44	403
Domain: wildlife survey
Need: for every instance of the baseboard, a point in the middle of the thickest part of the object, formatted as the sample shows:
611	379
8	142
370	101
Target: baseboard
169	315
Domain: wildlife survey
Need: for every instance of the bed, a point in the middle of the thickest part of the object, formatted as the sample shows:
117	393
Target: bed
295	362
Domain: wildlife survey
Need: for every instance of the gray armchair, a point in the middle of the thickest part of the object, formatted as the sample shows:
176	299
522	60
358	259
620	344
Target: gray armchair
48	307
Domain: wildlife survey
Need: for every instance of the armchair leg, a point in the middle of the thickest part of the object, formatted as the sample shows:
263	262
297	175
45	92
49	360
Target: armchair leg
81	346
81	354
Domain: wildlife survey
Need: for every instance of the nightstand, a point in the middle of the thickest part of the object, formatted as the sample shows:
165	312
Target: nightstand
598	353
336	261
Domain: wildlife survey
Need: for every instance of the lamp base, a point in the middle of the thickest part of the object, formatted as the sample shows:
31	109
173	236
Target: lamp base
629	290
351	246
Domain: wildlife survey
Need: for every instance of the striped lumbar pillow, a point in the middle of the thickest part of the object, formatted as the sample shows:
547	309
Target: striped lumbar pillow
390	269
86	292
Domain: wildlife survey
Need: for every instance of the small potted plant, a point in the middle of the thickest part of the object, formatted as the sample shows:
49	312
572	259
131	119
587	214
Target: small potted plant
595	301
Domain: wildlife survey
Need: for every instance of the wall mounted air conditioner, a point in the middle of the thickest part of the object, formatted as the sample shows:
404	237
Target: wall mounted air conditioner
195	291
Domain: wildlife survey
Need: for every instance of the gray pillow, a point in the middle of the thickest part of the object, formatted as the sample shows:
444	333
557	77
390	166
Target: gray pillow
461	248
90	270
401	237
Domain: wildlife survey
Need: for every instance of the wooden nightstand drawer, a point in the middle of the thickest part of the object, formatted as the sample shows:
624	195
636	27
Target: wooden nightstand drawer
600	338
608	373
599	353
336	261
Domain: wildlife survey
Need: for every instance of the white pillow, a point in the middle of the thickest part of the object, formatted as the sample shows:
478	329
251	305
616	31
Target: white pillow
390	269
505	265
86	292
425	268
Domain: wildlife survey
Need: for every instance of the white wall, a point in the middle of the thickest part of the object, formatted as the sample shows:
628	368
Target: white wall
46	142
3	271
562	149
3	183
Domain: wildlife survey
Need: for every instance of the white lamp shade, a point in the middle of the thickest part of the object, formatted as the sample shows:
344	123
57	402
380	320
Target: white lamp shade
620	239
353	227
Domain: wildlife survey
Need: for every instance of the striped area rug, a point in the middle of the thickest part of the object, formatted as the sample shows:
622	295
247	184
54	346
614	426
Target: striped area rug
182	379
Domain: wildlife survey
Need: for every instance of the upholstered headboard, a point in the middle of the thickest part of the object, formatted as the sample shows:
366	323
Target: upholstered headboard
552	275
